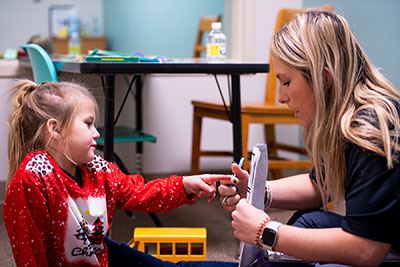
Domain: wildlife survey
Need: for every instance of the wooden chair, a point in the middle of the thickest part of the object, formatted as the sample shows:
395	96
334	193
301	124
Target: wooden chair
268	113
204	27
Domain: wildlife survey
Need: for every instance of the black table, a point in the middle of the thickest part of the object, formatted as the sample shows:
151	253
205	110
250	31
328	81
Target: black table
176	66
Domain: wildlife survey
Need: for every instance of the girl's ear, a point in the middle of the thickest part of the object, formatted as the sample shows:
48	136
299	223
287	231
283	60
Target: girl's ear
328	77
53	126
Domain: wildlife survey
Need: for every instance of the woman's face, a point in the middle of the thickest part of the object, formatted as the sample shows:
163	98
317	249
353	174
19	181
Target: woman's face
296	92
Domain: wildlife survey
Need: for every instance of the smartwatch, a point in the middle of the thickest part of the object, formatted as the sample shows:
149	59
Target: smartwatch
269	235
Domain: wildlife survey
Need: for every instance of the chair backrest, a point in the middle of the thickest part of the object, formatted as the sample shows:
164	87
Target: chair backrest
42	66
284	17
204	26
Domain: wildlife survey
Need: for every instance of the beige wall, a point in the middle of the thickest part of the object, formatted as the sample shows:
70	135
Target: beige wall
167	108
21	19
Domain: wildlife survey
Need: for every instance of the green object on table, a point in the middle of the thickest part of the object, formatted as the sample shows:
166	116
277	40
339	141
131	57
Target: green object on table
99	55
111	59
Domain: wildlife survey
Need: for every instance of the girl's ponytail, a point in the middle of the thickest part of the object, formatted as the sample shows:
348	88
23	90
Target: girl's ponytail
17	147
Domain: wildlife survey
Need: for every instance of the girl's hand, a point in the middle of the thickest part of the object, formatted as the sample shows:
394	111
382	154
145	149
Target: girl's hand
246	220
203	185
235	189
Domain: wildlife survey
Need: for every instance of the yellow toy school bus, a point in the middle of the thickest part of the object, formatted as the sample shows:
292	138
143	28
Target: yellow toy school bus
171	243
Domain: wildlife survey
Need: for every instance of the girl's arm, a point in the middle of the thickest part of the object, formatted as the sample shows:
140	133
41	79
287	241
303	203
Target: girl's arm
159	195
315	245
203	185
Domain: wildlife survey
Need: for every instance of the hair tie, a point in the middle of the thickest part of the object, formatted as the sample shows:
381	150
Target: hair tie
35	86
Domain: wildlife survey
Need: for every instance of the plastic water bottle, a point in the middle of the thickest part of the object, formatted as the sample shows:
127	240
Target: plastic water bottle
74	44
216	44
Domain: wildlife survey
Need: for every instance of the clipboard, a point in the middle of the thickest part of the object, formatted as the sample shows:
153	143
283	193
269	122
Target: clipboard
255	196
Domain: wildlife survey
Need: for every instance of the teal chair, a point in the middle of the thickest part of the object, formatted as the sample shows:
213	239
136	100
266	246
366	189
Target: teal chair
42	66
45	71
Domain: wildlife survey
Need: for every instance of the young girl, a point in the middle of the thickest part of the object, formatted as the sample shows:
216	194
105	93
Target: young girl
351	119
61	197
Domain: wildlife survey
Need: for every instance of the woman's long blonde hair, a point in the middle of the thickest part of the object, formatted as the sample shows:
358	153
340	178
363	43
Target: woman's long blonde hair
32	106
359	106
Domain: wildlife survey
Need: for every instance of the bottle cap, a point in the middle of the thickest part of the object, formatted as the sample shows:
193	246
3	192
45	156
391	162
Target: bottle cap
216	25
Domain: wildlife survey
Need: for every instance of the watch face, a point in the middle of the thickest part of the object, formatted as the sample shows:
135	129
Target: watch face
268	237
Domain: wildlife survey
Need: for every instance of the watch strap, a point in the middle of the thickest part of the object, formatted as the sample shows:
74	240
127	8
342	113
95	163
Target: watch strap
260	230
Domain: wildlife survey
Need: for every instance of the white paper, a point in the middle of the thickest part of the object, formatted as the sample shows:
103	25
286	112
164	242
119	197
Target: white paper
255	196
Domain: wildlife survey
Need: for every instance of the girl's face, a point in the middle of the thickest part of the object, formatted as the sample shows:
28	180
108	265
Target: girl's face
296	92
83	135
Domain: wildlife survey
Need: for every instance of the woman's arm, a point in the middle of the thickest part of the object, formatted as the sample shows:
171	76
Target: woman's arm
316	245
330	245
295	193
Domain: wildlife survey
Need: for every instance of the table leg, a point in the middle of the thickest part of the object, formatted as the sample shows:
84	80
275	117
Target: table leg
109	95
236	115
139	145
139	122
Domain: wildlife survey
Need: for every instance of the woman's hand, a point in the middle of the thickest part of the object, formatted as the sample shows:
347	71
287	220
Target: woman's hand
235	189
203	185
246	220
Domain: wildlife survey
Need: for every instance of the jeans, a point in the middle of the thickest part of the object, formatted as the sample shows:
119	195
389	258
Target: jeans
315	218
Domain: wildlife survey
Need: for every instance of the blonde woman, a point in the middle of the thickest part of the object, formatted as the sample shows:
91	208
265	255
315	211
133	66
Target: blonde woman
350	115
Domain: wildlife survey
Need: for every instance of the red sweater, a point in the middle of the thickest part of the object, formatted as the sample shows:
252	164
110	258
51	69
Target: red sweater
51	221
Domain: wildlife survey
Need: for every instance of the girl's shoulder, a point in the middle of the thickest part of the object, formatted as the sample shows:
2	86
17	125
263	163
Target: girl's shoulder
35	168
39	163
98	164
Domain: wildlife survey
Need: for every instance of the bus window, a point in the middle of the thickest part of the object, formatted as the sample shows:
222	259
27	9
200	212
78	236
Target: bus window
181	249
196	249
165	248
150	248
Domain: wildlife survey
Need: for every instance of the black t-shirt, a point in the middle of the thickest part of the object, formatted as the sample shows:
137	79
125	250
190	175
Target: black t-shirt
372	195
